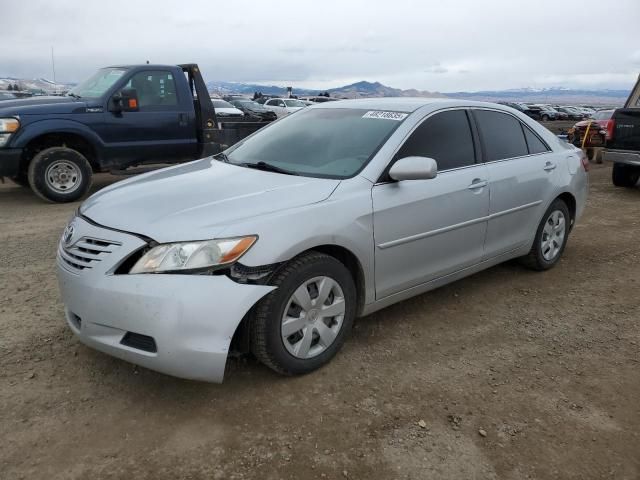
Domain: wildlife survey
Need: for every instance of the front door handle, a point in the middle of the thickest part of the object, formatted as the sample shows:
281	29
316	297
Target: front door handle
550	166
477	183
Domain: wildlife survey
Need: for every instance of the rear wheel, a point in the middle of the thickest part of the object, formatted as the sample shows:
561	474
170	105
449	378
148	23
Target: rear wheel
60	175
551	238
302	324
625	175
545	118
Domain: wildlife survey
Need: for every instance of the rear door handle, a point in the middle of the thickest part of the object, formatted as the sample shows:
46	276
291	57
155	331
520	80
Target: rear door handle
550	166
477	183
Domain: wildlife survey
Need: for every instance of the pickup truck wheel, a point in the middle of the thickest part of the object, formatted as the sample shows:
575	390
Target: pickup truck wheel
302	324
624	175
551	238
60	175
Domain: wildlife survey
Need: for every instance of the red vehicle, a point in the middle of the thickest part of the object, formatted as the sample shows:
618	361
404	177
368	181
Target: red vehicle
600	131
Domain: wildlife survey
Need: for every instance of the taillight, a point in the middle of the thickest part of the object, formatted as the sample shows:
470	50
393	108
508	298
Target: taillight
584	160
611	124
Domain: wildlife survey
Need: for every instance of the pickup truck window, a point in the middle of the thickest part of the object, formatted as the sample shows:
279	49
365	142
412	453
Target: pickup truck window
154	89
96	85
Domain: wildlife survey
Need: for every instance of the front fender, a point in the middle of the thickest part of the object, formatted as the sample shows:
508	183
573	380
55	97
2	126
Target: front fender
32	130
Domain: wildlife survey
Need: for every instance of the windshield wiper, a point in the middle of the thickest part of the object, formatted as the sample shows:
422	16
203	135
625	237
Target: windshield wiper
267	167
74	95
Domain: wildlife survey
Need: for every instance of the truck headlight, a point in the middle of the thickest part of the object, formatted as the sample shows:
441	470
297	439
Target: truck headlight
185	256
7	127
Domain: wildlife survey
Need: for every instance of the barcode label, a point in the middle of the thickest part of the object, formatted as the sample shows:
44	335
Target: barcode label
398	116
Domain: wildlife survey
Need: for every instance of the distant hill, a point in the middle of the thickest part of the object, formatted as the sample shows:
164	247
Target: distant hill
376	89
547	95
364	89
36	84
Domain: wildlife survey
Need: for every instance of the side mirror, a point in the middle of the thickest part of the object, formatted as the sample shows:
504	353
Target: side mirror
126	100
414	168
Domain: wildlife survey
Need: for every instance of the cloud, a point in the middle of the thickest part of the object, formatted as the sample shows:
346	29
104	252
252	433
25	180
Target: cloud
444	46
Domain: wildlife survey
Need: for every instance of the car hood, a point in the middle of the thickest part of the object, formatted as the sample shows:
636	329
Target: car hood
198	200
41	105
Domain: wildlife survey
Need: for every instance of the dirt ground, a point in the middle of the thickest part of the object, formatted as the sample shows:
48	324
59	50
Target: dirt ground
507	374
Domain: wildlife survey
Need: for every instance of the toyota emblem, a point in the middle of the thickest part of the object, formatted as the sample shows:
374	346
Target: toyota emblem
67	236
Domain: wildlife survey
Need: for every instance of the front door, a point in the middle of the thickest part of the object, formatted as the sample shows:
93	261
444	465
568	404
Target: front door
426	229
163	128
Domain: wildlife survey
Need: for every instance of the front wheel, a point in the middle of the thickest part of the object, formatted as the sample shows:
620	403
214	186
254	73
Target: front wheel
551	238
625	175
302	324
60	175
545	118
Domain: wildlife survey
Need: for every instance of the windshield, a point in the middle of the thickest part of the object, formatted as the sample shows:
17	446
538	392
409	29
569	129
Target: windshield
96	85
221	104
249	104
322	142
294	103
603	115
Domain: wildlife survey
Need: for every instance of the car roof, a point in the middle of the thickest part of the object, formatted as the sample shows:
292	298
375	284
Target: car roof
402	104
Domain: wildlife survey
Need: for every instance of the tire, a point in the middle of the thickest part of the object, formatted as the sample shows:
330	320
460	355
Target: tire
544	118
540	257
60	175
624	175
266	330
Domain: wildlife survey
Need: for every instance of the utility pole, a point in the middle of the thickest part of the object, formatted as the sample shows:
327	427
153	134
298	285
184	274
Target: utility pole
53	65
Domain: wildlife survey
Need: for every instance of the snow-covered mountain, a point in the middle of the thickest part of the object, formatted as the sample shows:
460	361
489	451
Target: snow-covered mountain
36	84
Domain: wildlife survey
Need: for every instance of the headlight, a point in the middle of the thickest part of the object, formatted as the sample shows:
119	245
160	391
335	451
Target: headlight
177	257
7	127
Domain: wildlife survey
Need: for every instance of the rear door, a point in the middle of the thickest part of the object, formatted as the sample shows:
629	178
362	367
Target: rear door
426	229
522	170
163	128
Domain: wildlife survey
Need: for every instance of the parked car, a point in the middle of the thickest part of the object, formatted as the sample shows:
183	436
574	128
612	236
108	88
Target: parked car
623	146
225	110
543	113
319	99
252	109
120	117
571	112
521	107
601	130
7	96
276	244
283	106
588	112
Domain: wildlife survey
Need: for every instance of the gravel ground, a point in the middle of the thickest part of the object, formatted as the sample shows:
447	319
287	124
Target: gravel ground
507	374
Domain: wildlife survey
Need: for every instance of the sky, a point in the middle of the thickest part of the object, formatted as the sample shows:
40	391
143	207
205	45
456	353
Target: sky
445	45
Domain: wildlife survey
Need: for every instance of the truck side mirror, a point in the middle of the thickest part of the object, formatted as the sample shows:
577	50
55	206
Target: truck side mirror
126	100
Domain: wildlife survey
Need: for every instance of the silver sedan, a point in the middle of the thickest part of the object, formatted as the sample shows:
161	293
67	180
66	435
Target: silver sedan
276	245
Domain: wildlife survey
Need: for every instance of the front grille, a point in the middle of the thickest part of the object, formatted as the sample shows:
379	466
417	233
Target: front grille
86	252
139	342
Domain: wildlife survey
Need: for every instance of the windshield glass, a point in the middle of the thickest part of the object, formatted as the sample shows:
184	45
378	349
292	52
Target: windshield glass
96	85
323	142
249	104
221	103
294	103
603	115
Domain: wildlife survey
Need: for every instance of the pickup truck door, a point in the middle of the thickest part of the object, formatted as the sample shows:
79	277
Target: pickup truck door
162	130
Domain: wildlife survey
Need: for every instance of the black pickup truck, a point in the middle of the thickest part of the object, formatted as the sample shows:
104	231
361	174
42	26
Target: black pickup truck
121	117
623	148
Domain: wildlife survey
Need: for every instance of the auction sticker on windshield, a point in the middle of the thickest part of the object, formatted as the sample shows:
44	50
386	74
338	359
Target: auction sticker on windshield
398	116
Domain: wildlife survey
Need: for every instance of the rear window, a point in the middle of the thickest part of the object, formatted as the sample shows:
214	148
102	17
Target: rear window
603	115
502	135
533	141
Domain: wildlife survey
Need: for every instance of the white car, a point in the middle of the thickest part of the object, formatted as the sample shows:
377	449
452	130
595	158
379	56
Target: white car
225	109
284	106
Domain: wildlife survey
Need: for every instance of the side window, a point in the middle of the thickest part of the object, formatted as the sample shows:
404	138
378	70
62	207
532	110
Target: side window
156	89
445	137
533	142
280	103
501	134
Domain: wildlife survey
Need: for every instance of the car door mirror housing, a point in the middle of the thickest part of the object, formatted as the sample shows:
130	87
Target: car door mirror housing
126	100
414	168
